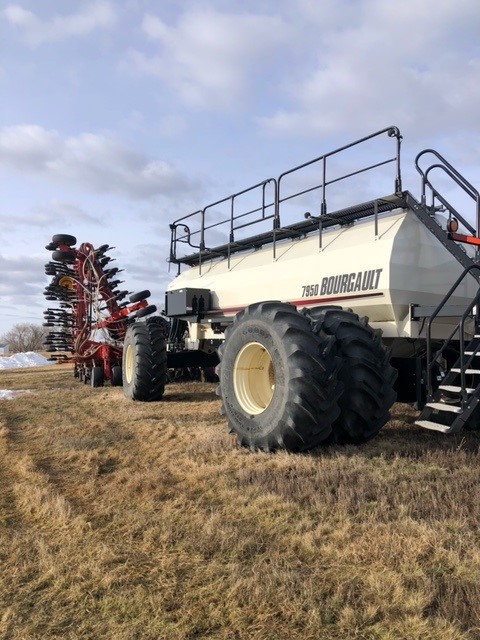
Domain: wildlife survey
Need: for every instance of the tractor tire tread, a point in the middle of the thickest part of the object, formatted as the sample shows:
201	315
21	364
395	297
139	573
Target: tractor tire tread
366	374
310	388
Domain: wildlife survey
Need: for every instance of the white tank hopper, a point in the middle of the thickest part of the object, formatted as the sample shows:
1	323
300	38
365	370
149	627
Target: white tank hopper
380	276
317	326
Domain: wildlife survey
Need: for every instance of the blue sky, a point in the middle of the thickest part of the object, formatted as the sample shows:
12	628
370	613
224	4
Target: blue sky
118	117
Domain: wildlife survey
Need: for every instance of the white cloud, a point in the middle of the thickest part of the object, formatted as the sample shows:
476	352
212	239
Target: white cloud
22	276
46	215
99	163
412	64
210	57
34	31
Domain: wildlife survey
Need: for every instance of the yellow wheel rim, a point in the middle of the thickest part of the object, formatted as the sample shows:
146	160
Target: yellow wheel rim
128	363
254	378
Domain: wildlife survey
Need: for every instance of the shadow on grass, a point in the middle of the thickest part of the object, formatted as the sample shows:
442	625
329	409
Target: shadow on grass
202	393
408	442
399	438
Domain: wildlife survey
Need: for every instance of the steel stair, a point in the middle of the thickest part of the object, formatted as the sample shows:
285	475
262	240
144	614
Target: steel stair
452	404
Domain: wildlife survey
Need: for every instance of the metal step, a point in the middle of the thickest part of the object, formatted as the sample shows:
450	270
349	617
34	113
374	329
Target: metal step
433	426
454	389
440	406
468	371
471	353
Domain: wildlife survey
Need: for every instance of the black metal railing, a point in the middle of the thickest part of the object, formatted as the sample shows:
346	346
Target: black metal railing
194	231
323	162
436	196
471	311
181	233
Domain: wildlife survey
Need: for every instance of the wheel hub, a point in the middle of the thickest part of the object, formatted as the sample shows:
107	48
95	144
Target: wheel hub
254	378
129	363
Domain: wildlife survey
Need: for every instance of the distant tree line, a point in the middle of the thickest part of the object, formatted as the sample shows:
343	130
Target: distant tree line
25	337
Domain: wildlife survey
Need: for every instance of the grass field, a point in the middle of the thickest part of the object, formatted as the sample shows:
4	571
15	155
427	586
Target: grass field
125	520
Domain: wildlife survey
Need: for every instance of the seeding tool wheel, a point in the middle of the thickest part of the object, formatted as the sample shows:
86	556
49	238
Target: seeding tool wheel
117	376
96	377
144	362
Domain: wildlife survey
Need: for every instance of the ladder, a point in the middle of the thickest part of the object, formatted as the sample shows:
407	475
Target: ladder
452	404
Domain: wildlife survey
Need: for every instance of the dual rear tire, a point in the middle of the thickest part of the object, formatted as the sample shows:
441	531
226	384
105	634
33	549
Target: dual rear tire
365	373
293	381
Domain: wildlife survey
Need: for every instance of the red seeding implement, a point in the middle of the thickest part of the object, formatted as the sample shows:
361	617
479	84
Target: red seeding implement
92	318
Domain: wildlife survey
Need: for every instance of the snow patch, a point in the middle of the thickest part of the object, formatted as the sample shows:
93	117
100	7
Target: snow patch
6	394
23	360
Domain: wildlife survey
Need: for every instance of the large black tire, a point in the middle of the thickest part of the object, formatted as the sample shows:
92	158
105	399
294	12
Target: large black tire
97	377
63	238
141	295
144	363
366	373
117	376
278	380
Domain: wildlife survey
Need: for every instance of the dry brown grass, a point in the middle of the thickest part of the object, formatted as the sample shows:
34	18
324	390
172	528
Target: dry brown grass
126	520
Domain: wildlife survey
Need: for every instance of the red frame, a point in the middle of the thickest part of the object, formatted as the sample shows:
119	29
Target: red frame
88	353
459	237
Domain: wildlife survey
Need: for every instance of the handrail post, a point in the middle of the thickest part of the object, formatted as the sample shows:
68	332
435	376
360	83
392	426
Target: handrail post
398	178
173	242
232	207
323	204
231	237
478	215
202	242
463	382
429	358
276	215
424	189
